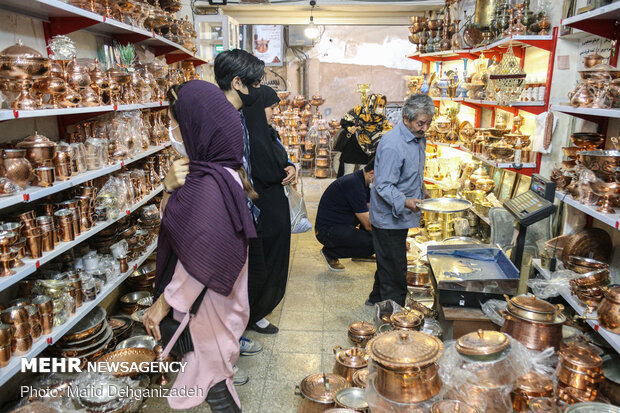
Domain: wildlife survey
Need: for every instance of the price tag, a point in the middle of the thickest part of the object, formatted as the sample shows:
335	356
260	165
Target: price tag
27	198
596	327
115	107
50	340
37	264
617	224
153	34
135	267
128	212
122	164
104	19
16	113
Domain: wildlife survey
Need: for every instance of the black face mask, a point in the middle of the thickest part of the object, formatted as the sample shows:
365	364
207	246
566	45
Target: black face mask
251	97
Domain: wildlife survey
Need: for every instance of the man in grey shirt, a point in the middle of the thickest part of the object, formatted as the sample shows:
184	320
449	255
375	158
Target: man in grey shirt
394	197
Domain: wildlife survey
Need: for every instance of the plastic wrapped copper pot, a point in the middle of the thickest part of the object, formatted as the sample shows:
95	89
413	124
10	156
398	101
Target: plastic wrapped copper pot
407	320
407	371
6	334
361	332
609	310
349	360
452	406
533	334
418	275
318	390
531	386
531	308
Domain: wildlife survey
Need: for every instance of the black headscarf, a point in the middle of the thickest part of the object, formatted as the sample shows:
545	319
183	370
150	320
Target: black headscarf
267	156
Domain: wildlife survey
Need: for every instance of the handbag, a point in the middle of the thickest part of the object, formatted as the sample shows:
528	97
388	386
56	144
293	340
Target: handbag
299	216
169	326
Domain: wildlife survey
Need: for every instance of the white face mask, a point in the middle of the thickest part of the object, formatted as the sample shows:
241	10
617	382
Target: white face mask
379	111
178	146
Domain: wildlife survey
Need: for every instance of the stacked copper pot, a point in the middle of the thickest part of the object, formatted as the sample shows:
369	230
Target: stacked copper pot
609	310
407	320
23	323
349	360
593	278
536	323
579	373
360	333
532	385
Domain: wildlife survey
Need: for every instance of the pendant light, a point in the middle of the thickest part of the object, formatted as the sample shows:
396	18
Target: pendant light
312	30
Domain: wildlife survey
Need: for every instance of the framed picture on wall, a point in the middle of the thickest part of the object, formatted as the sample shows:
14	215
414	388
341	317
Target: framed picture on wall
505	188
522	185
497	178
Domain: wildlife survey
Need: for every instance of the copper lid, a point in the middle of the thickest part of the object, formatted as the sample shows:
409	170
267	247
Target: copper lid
20	51
531	303
360	377
580	355
482	343
405	348
321	387
613	294
452	406
36	141
362	328
353	357
535	382
407	318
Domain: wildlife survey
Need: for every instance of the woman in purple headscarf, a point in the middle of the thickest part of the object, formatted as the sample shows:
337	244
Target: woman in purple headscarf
203	245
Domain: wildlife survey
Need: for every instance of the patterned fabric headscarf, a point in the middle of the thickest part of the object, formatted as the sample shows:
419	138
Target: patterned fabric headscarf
370	125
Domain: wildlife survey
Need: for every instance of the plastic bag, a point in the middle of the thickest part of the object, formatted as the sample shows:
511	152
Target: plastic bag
384	310
558	284
299	216
492	308
379	403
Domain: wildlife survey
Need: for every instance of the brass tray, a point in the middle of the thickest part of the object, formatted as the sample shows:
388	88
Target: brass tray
445	205
129	355
590	243
88	325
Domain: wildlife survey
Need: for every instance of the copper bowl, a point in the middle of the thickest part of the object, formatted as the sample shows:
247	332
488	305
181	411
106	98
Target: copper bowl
22	62
418	275
587	140
601	162
571	151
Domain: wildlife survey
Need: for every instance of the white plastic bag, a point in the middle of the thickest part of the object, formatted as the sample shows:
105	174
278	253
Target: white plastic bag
299	216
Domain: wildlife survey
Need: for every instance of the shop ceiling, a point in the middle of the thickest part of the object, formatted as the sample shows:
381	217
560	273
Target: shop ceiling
327	12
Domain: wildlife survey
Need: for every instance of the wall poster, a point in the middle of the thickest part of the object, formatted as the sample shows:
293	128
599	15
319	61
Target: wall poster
267	44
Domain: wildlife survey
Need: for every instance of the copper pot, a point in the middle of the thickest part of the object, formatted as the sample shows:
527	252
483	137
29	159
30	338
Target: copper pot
21	345
407	371
486	399
360	377
21	330
17	167
577	379
36	331
407	320
418	275
322	162
44	304
349	360
317	392
47	323
533	334
609	310
322	173
14	315
532	308
5	355
6	334
531	386
361	332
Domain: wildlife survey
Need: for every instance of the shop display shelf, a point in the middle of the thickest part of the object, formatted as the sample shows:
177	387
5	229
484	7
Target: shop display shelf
432	181
613	220
34	193
494	103
447	98
600	21
65	18
503	165
8	114
586	112
482	217
445	145
14	365
31	265
611	338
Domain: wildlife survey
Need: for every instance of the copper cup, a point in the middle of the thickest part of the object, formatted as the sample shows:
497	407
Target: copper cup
47	241
44	176
14	315
5	355
29	224
47	322
6	334
28	215
44	304
34	244
33	314
65	230
21	345
63	171
36	331
124	264
79	297
21	330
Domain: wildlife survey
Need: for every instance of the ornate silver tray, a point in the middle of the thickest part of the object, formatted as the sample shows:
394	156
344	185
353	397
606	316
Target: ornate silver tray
445	205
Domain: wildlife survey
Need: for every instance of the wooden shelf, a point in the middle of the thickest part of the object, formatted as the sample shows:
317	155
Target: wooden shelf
600	21
613	220
65	18
612	338
8	114
34	193
14	365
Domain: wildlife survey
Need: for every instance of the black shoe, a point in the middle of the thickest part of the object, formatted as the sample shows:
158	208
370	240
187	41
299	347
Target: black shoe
220	400
370	303
270	329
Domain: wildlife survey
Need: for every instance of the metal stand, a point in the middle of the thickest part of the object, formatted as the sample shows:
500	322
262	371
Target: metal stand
517	258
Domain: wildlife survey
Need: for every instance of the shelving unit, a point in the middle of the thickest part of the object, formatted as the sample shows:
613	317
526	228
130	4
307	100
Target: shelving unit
601	21
613	220
14	365
611	338
9	114
64	18
587	113
31	265
34	193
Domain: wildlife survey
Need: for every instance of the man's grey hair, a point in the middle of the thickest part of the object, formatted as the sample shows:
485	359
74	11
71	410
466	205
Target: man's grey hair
416	104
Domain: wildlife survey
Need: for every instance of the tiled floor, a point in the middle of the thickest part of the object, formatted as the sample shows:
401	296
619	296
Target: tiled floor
314	317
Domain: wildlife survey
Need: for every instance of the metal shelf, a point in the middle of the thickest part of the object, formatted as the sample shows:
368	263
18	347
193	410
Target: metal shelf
34	193
65	18
600	21
14	365
503	165
8	114
586	112
494	103
31	265
611	338
613	220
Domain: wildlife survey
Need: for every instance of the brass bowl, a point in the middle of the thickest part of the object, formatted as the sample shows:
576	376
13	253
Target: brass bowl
571	151
22	62
485	185
601	162
500	152
587	140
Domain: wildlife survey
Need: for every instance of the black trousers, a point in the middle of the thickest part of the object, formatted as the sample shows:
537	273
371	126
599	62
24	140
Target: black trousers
345	241
391	276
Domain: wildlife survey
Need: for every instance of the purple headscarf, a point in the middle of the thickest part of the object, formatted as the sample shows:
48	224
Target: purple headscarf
206	223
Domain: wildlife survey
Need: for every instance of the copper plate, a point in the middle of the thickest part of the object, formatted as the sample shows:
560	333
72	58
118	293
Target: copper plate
482	343
535	382
88	325
591	243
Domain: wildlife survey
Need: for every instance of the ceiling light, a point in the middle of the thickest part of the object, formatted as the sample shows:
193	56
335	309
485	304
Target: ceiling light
312	30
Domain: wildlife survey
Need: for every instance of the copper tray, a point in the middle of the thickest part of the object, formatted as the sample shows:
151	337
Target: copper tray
85	341
129	355
591	243
88	325
81	351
